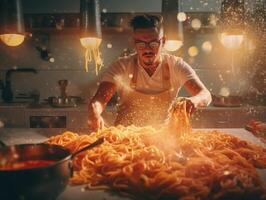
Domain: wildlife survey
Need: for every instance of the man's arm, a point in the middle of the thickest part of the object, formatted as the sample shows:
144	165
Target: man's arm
98	104
200	96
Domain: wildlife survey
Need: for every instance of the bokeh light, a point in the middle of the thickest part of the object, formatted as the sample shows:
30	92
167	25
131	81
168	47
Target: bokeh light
109	45
206	46
181	16
193	51
196	24
224	91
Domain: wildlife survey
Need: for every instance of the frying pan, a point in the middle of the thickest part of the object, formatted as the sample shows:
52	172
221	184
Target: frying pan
42	183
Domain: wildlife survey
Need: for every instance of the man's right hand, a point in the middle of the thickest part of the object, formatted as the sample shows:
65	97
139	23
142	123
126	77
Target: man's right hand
98	103
95	120
95	123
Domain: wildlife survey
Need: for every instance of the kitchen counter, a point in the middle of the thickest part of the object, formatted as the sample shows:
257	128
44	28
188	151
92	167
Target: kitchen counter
83	107
17	136
76	117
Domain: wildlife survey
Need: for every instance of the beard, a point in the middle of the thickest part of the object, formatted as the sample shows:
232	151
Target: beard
148	58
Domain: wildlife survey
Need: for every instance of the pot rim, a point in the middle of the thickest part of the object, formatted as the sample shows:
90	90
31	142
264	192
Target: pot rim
56	162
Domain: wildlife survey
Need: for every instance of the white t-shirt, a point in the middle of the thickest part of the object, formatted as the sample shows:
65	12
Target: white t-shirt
120	72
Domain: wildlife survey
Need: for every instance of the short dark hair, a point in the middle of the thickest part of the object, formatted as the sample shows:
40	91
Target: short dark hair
146	21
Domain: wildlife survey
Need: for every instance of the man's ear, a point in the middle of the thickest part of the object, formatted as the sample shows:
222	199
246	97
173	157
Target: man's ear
131	42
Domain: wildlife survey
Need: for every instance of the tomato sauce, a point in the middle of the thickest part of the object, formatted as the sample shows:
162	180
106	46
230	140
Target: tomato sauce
28	164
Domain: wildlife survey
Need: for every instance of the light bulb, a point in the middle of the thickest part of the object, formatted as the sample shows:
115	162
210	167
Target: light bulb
12	40
231	41
90	42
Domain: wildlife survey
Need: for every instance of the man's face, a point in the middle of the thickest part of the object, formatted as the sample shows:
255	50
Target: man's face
148	44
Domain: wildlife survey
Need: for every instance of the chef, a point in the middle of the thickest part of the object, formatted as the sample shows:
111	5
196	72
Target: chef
147	81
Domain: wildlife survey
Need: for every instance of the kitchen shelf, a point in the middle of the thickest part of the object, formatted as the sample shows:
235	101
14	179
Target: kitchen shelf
76	31
118	23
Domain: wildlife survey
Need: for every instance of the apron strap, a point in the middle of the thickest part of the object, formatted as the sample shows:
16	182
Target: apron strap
133	82
165	75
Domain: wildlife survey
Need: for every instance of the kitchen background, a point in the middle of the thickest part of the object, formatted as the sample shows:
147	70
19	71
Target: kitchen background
53	25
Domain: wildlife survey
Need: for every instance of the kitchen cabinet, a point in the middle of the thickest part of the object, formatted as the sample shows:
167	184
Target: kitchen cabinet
46	118
73	6
13	117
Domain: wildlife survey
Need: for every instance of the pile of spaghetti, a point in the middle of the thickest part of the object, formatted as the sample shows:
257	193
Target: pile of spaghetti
155	164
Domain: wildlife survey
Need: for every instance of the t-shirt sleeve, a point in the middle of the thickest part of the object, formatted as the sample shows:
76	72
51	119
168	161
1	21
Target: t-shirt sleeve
115	70
184	72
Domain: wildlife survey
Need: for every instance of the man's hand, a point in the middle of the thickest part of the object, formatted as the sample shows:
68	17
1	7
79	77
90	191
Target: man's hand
98	103
95	121
190	106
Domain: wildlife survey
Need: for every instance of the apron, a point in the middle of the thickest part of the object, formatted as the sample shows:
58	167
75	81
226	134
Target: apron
142	109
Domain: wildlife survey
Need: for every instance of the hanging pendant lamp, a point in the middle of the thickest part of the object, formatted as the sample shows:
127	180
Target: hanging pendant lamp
173	28
12	31
232	23
91	35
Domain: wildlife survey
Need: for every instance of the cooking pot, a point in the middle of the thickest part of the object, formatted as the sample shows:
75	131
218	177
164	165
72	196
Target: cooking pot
40	182
226	101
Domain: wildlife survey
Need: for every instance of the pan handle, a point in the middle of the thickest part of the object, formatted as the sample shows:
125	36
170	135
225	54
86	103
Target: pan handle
90	146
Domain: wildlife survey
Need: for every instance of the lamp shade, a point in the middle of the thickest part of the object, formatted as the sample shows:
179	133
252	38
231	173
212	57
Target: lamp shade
90	19
91	35
11	22
232	17
232	23
173	28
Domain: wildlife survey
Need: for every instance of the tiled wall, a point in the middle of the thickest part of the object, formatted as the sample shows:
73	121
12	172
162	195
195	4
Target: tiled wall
214	68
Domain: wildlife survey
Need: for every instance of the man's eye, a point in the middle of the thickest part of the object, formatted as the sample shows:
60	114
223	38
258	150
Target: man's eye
154	44
141	44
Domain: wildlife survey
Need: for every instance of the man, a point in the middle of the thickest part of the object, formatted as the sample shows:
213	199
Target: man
147	81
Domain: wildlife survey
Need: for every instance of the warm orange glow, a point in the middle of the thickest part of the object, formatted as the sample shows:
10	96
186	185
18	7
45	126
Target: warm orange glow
92	45
12	40
173	45
231	41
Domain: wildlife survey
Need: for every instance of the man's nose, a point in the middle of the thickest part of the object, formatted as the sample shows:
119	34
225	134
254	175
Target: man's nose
148	46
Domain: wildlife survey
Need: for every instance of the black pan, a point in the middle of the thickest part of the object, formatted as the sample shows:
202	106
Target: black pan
39	183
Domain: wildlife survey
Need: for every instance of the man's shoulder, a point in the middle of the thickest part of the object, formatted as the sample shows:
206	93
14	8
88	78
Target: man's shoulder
171	59
124	63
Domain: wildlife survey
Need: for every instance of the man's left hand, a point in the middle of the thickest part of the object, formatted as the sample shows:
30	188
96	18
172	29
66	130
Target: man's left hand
190	106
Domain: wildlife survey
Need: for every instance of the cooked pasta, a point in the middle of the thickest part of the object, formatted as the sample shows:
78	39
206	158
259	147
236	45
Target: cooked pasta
202	165
163	164
178	119
92	52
